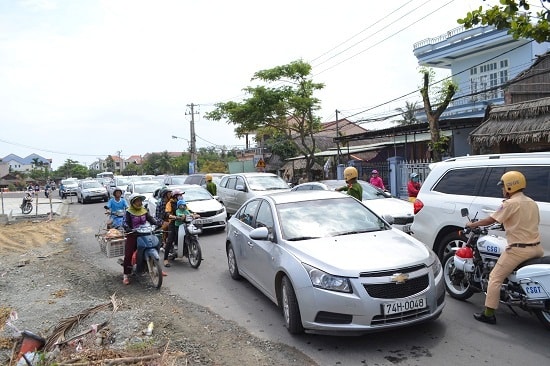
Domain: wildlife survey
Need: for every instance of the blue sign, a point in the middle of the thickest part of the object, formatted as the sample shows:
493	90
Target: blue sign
191	167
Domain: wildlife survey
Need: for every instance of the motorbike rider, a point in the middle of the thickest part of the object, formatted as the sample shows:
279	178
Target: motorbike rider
170	216
352	187
376	180
211	186
181	213
413	186
116	203
519	215
47	189
27	197
136	215
164	196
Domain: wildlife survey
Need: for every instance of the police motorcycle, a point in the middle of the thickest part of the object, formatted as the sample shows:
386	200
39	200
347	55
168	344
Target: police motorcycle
147	255
188	241
466	271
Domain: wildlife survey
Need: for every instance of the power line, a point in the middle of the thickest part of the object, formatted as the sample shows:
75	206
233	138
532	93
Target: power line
385	39
364	30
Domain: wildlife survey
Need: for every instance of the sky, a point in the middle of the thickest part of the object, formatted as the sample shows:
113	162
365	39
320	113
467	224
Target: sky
84	79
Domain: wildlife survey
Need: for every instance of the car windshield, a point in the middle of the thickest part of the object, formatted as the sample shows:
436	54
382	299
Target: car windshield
91	184
196	195
122	181
326	218
177	180
70	183
266	183
146	188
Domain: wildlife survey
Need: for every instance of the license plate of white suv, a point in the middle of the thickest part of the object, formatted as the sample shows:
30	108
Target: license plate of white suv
404	305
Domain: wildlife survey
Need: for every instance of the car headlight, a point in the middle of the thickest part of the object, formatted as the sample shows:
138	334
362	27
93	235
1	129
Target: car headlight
327	281
436	264
220	211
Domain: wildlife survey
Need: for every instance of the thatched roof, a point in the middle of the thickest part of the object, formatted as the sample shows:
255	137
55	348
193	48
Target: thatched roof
518	122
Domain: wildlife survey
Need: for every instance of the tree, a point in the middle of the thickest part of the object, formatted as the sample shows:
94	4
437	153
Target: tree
408	114
286	105
443	96
72	168
516	17
110	163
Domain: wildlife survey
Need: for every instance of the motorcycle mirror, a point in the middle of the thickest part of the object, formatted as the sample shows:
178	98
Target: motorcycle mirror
464	212
106	207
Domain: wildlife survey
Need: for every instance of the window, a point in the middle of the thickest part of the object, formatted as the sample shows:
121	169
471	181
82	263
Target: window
264	217
246	214
461	181
223	181
240	182
537	182
231	183
486	84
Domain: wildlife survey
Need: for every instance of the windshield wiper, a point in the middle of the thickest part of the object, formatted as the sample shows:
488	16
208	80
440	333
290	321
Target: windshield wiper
355	232
303	238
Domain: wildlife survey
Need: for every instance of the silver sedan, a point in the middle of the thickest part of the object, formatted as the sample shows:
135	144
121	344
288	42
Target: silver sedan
332	264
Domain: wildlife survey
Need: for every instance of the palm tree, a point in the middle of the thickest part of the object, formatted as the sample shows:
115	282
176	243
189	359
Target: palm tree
408	114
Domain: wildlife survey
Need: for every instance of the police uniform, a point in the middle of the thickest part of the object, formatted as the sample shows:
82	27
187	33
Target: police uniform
354	190
520	216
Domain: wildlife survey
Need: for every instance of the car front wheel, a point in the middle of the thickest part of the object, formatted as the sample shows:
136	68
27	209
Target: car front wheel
291	310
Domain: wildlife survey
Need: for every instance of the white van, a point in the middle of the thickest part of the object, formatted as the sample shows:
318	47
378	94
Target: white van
471	182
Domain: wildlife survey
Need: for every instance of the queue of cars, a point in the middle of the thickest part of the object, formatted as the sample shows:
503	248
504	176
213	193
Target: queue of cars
336	265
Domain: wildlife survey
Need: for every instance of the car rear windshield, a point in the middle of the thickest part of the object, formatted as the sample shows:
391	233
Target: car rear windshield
266	183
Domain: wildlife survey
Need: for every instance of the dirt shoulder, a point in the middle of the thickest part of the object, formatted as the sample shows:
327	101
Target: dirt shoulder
48	284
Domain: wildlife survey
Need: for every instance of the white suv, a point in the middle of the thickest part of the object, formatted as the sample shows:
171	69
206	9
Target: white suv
471	182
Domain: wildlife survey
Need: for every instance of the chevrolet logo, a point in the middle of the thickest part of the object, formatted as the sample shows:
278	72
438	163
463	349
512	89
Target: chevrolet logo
400	278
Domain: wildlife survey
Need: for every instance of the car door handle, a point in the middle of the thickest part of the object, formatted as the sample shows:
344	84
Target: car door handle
250	244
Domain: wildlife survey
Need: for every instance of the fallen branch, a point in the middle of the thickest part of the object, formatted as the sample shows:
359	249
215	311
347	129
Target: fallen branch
59	332
130	360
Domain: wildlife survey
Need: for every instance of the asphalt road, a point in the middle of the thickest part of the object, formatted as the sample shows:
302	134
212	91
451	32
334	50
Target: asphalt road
455	338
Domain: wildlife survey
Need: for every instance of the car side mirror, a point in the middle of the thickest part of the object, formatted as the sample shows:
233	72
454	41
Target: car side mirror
388	218
240	187
260	233
464	212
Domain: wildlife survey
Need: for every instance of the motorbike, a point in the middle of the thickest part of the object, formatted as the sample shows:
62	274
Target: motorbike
188	245
466	271
147	254
47	191
116	218
26	205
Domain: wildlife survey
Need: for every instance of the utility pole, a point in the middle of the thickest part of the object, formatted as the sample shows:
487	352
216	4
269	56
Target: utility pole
193	146
337	141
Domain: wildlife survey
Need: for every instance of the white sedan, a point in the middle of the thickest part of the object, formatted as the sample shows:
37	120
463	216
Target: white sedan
144	187
381	202
200	201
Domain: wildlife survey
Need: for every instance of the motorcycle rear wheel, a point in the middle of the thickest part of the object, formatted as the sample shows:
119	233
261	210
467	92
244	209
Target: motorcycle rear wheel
194	253
26	208
544	317
155	271
458	287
